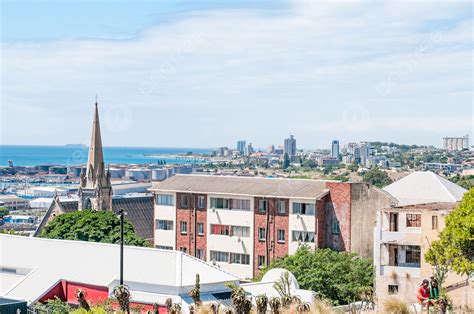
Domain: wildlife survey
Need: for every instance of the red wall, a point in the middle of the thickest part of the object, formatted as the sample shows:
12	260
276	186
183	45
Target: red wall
339	206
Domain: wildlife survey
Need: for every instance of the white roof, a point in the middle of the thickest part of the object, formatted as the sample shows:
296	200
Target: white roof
424	187
43	262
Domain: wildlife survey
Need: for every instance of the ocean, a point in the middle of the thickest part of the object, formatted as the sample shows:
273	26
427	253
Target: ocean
77	155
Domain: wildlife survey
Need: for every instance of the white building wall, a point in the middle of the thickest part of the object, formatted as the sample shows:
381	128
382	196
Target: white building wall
300	223
162	212
231	243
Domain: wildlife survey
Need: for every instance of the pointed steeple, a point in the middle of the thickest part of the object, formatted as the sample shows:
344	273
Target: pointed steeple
95	190
95	162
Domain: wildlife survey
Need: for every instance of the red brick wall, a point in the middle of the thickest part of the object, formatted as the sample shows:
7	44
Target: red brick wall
339	205
275	222
321	221
183	214
188	215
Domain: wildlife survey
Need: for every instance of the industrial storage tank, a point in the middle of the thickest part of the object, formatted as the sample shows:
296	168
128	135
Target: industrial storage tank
58	170
117	173
139	174
159	174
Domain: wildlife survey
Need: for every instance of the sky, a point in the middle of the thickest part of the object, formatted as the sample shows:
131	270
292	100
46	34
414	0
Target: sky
209	73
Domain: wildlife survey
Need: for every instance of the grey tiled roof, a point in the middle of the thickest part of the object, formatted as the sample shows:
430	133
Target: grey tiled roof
139	213
251	186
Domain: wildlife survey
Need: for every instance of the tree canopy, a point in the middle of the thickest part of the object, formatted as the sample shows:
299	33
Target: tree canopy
286	161
455	247
377	177
337	276
3	212
93	226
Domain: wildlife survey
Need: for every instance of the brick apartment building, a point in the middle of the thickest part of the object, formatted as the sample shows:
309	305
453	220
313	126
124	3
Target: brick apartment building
242	223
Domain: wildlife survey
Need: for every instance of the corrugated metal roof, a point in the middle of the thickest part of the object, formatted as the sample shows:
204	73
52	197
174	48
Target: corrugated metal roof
424	187
250	186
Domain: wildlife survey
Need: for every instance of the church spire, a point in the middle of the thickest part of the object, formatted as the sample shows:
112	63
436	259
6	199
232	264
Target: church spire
95	162
95	190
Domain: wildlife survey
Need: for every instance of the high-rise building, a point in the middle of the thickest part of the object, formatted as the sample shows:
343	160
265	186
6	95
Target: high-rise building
95	190
290	146
456	143
364	152
241	146
248	150
335	149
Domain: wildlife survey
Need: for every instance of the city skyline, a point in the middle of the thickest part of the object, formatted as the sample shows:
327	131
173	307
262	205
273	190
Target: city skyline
171	68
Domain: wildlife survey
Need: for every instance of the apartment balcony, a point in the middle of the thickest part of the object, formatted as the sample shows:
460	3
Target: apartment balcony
400	271
405	238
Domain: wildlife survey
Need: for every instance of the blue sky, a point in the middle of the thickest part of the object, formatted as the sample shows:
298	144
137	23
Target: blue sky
207	73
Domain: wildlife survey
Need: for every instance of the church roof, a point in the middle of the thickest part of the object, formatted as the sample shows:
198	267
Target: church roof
96	156
140	212
424	187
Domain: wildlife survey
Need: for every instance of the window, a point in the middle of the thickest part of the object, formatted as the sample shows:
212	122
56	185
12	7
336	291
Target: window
240	204
281	235
239	231
336	229
303	236
200	228
413	220
183	249
303	208
165	199
164	247
393	221
262	206
220	203
200	254
237	258
184	201
261	234
183	227
261	261
412	254
219	256
164	224
434	222
201	202
392	289
220	230
281	206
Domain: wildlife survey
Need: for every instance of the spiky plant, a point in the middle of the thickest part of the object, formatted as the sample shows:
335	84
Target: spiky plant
275	305
262	303
122	294
169	304
175	308
303	307
156	307
242	303
81	299
195	293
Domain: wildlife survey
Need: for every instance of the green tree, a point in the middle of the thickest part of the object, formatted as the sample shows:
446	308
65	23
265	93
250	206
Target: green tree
3	212
353	167
286	161
466	182
337	276
454	249
93	226
377	177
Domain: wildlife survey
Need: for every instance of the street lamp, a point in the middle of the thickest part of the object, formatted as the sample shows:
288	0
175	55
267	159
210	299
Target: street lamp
122	214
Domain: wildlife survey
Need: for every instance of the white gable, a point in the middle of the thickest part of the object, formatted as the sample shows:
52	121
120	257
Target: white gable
424	187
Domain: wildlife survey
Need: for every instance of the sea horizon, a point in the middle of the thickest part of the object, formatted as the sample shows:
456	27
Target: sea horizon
76	154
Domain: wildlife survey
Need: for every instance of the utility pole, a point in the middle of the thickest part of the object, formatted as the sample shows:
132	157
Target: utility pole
122	213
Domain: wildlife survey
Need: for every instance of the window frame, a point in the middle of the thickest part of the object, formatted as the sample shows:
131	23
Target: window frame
168	197
201	202
168	224
335	226
184	201
280	207
185	224
279	233
200	232
261	261
413	220
434	222
265	207
260	238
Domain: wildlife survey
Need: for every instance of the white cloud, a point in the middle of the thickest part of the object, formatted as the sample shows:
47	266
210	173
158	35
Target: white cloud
217	76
